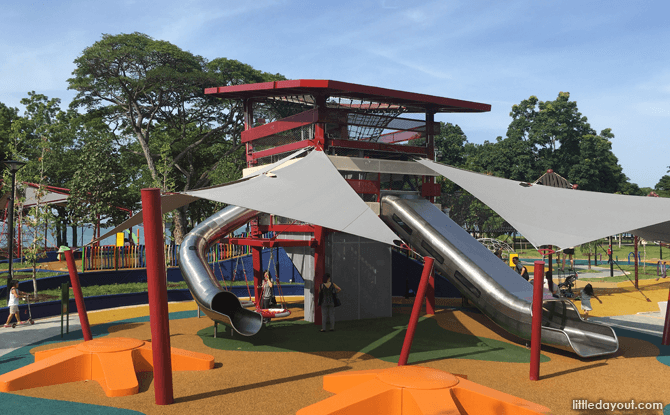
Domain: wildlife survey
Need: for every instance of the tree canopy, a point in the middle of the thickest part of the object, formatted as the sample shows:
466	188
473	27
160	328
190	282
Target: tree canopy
153	91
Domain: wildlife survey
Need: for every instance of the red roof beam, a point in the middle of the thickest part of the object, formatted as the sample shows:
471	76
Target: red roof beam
413	101
399	137
366	145
281	149
285	124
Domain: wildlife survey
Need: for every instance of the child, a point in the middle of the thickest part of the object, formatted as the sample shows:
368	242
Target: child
586	294
13	303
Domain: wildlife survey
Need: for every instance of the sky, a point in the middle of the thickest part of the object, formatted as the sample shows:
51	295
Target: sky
611	56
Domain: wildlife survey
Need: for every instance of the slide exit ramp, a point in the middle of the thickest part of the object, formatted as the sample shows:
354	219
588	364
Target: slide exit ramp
218	304
497	290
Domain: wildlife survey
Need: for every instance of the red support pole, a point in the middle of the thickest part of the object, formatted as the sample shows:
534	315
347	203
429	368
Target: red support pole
536	324
416	309
158	305
78	296
430	293
666	328
257	261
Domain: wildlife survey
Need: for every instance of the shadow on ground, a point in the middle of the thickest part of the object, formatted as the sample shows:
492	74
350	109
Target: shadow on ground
381	338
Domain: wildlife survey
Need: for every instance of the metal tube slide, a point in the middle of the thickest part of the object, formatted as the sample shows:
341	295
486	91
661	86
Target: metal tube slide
499	292
218	304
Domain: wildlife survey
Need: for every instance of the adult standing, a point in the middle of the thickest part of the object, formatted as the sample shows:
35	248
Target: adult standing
520	269
327	293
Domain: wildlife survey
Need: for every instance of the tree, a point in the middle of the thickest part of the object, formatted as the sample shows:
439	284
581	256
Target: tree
99	185
7	116
554	135
663	186
452	148
154	91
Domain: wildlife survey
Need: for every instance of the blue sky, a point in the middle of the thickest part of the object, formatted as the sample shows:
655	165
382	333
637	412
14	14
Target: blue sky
612	56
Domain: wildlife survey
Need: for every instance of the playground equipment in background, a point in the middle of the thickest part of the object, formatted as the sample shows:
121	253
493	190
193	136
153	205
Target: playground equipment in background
565	287
661	270
103	257
639	257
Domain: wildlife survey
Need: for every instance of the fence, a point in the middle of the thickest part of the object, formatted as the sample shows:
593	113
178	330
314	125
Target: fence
134	256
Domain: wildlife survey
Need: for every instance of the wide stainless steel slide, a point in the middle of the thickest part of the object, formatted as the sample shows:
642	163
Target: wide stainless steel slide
499	292
218	304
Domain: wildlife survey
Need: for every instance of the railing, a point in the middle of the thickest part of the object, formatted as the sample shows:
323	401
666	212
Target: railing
632	253
105	257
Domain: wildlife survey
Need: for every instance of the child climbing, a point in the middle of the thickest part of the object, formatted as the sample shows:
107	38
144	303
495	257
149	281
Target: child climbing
586	294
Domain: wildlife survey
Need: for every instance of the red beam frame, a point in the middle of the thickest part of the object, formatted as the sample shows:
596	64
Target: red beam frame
337	88
285	124
281	149
365	145
269	243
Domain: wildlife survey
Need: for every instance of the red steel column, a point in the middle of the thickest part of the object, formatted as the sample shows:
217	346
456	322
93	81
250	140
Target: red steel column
536	324
257	260
248	106
158	306
319	140
319	268
416	309
78	296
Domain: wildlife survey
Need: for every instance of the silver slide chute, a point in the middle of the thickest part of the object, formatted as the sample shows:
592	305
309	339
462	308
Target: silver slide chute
218	304
499	292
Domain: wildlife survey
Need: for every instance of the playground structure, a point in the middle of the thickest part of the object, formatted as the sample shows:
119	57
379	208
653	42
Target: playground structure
330	246
335	120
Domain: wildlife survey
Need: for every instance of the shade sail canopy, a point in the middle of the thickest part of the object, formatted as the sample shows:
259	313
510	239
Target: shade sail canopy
563	217
310	190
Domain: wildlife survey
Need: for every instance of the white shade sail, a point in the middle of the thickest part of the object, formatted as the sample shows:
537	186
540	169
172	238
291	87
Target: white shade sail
310	190
563	217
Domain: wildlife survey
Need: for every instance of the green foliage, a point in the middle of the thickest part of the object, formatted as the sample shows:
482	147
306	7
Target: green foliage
153	91
662	188
99	185
554	135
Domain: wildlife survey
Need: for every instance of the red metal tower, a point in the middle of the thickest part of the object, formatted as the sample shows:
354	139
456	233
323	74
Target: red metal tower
365	131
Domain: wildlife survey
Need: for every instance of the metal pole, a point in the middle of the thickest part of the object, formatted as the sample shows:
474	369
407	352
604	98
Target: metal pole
611	261
416	309
10	274
636	264
536	323
157	287
665	341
